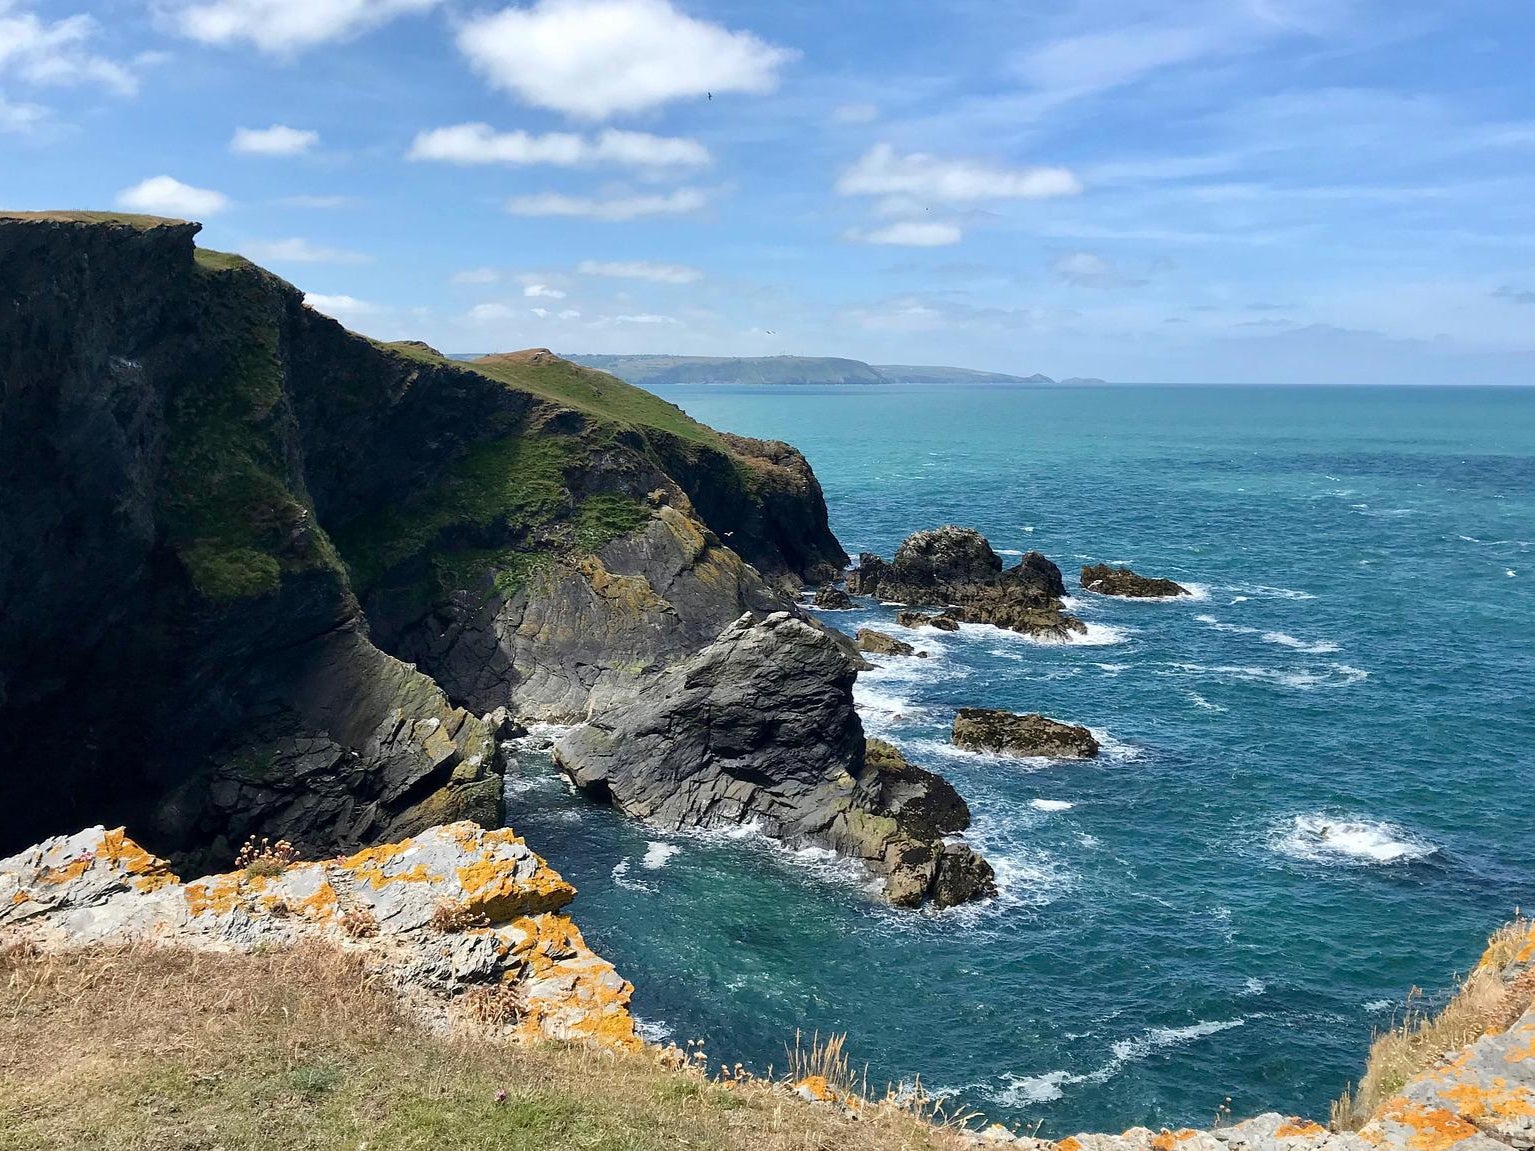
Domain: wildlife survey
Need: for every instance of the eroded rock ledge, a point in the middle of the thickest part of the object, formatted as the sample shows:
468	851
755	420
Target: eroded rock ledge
955	569
1106	580
464	923
760	728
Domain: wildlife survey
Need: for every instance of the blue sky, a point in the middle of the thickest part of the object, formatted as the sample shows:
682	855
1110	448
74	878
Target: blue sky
1303	191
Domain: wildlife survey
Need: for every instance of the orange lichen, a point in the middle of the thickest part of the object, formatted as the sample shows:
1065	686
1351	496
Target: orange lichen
1474	1101
493	889
1070	1143
817	1088
1521	1053
1167	1140
1430	1128
70	872
594	1006
369	866
146	872
218	895
1302	1128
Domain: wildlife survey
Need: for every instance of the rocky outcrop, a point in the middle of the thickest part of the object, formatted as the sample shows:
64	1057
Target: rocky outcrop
1003	733
879	643
829	597
1106	580
956	569
760	728
463	923
217	503
915	619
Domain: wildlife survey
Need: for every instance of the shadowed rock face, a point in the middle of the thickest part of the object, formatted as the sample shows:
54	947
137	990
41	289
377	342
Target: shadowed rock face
879	643
760	727
956	569
982	729
1123	582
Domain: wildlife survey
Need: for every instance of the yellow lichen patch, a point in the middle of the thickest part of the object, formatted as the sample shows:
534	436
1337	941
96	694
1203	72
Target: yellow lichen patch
1167	1140
18	898
369	866
817	1088
493	889
595	1003
217	895
1302	1128
1070	1143
1430	1128
1473	1101
1524	1051
146	872
320	907
70	872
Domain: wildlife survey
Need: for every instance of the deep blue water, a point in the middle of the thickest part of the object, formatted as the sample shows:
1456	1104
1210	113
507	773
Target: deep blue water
1361	654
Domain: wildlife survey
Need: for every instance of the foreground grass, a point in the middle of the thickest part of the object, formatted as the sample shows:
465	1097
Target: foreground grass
166	1050
1483	1004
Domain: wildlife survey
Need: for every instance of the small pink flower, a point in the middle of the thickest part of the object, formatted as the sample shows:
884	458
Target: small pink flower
501	1096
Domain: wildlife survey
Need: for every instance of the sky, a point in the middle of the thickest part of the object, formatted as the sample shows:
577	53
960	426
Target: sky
1248	191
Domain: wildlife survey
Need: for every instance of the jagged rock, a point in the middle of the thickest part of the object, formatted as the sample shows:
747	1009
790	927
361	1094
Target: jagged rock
881	644
1106	580
439	915
760	727
830	597
864	579
1002	732
957	569
502	725
916	619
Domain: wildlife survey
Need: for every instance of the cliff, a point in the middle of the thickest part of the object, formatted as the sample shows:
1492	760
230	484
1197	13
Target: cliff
786	370
260	575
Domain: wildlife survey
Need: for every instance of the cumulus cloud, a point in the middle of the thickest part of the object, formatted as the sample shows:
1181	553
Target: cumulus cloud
611	210
646	318
285	27
884	172
278	140
640	270
165	196
599	58
476	276
912	234
481	144
340	307
542	291
490	313
298	251
1090	270
21	117
37	51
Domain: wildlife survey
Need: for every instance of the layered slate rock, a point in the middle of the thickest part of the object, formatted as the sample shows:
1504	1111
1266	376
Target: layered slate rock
955	569
1106	580
1004	733
449	918
760	728
880	643
829	597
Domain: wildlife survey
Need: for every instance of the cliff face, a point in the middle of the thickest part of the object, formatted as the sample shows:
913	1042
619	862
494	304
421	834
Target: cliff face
206	490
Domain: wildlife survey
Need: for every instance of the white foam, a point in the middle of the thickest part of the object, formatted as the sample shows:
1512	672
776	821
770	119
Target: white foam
1203	704
657	853
1028	530
652	1030
1254	987
1114	668
1376	1006
1321	838
1320	647
1050	805
1509	572
1023	1090
1138	1048
621	878
1264	591
1009	552
1332	675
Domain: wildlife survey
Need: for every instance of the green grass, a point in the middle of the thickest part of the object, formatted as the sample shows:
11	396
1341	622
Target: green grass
131	219
213	261
605	517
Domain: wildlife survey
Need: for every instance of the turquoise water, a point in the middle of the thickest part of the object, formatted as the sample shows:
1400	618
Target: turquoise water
1361	654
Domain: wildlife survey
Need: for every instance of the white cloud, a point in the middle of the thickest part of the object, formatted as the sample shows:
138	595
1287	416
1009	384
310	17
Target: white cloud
340	307
299	251
490	313
855	113
318	202
640	270
284	27
1085	268
37	52
278	140
21	117
645	318
165	196
476	276
481	144
912	234
612	210
542	292
598	58
883	172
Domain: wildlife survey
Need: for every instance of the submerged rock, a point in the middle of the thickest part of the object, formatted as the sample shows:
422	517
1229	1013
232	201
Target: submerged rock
760	728
832	598
881	644
1106	580
451	914
983	729
957	569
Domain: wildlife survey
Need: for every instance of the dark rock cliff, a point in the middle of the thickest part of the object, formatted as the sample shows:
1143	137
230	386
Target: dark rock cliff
206	490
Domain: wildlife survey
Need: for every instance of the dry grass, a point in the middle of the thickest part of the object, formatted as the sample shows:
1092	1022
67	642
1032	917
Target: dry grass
1483	1004
169	1050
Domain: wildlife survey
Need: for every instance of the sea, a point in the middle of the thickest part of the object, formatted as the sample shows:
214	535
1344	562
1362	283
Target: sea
1317	789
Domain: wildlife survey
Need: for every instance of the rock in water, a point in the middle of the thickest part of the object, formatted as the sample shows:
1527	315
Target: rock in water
864	579
881	644
760	727
1123	582
832	598
957	568
982	729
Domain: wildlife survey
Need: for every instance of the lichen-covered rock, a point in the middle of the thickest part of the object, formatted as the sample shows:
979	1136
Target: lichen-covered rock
829	597
1106	580
1004	733
448	917
957	570
879	643
760	728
